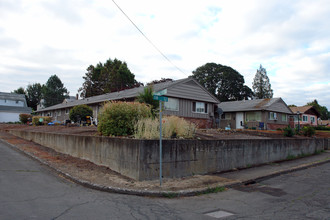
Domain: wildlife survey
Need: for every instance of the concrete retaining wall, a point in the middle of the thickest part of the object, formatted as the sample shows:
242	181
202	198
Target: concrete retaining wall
139	159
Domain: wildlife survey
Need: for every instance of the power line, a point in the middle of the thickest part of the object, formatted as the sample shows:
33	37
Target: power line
148	39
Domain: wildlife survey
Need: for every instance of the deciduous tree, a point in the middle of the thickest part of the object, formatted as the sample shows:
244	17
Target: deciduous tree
223	82
113	75
34	95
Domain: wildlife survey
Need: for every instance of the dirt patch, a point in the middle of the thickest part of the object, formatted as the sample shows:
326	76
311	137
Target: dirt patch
101	175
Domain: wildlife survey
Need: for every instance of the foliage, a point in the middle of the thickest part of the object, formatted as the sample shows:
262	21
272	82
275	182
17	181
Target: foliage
119	118
325	114
308	131
172	127
261	85
288	132
322	128
41	120
54	91
111	76
24	118
34	95
223	82
292	106
79	112
20	90
159	81
147	97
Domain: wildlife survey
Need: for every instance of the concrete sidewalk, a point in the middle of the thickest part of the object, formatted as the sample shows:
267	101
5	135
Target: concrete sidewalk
101	178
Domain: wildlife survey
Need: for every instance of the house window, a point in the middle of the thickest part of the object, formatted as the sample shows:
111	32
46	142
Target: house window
199	107
253	116
272	116
305	118
66	111
59	112
172	104
226	116
284	117
312	119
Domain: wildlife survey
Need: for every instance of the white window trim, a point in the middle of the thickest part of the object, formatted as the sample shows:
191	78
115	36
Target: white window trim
205	103
274	114
306	118
174	110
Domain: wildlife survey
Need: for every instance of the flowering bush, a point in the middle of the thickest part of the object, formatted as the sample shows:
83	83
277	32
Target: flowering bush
119	118
41	120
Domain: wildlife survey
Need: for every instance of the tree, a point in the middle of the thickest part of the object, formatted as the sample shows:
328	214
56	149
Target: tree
34	95
292	106
80	112
160	81
54	92
325	114
20	90
223	82
261	85
111	76
147	97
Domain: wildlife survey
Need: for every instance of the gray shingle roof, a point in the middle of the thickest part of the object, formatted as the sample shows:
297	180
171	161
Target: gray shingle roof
124	94
273	104
15	109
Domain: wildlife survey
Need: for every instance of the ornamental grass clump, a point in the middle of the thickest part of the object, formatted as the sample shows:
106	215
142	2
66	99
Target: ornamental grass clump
172	127
119	118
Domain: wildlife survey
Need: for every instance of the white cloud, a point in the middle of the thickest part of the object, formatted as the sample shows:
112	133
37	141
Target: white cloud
289	38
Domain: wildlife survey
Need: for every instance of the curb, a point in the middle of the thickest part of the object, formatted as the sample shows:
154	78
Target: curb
167	194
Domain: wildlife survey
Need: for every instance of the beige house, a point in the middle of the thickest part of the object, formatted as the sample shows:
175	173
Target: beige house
186	98
268	114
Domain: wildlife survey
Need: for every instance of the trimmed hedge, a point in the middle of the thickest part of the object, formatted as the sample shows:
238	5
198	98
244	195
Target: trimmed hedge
119	118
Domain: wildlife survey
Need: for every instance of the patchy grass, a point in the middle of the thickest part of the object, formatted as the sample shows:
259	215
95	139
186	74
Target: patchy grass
213	190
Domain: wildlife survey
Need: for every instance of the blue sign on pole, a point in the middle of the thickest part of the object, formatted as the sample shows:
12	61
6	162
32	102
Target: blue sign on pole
160	98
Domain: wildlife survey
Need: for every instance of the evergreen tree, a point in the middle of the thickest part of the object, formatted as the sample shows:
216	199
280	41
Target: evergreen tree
261	85
54	92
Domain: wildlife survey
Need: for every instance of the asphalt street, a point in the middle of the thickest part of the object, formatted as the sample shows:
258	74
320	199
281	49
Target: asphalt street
29	190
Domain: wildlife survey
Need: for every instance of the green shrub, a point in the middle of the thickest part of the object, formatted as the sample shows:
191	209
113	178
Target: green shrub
288	132
308	131
41	120
23	118
79	113
322	128
119	118
172	127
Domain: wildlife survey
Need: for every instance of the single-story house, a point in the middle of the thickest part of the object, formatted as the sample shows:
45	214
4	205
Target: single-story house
268	114
308	115
11	106
186	98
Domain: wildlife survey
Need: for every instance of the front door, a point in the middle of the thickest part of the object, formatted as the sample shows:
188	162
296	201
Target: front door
239	120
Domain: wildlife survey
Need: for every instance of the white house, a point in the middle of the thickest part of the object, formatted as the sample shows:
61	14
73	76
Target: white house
11	106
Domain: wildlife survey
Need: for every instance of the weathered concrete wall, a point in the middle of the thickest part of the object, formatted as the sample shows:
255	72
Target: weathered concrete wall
139	159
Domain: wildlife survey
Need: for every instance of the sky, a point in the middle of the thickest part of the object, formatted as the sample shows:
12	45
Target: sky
290	39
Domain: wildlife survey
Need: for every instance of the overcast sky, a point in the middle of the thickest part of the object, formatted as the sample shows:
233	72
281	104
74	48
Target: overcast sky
291	39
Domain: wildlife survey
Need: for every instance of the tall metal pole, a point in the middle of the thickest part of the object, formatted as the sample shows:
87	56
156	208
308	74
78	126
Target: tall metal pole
160	143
